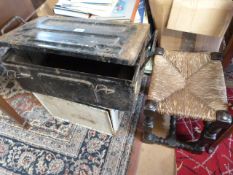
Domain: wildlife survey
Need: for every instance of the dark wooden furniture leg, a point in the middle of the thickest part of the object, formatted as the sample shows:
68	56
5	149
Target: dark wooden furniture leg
228	54
212	134
149	112
170	140
224	134
216	131
5	107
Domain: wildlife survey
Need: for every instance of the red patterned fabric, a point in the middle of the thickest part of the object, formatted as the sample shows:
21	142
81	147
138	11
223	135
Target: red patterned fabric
220	162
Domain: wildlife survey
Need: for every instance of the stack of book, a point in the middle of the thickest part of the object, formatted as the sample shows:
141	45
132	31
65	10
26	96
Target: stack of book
127	10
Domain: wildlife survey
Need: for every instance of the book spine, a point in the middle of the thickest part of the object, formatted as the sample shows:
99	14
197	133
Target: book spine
134	10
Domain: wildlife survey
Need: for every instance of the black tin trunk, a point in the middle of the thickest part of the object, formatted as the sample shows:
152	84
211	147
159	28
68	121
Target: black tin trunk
90	62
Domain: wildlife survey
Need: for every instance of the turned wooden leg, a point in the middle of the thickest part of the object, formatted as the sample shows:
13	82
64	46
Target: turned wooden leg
148	125
150	110
171	138
222	135
148	136
6	108
228	54
212	130
224	123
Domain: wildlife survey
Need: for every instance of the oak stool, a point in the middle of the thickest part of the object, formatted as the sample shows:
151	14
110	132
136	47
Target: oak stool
190	85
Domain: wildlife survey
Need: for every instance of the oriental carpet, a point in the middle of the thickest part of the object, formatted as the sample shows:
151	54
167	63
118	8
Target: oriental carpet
55	146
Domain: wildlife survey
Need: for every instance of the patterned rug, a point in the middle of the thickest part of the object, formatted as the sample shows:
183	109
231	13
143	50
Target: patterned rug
55	146
220	162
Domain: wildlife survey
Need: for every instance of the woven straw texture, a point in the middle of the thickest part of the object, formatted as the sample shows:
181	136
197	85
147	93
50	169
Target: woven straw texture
188	84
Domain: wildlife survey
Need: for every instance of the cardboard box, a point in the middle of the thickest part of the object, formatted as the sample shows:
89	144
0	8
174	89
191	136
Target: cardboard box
205	17
176	40
103	120
46	8
160	10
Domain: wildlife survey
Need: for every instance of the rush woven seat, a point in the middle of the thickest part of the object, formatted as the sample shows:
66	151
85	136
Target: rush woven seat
191	85
188	84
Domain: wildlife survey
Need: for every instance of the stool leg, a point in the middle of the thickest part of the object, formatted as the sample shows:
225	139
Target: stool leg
223	123
171	138
212	130
172	130
149	112
148	125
